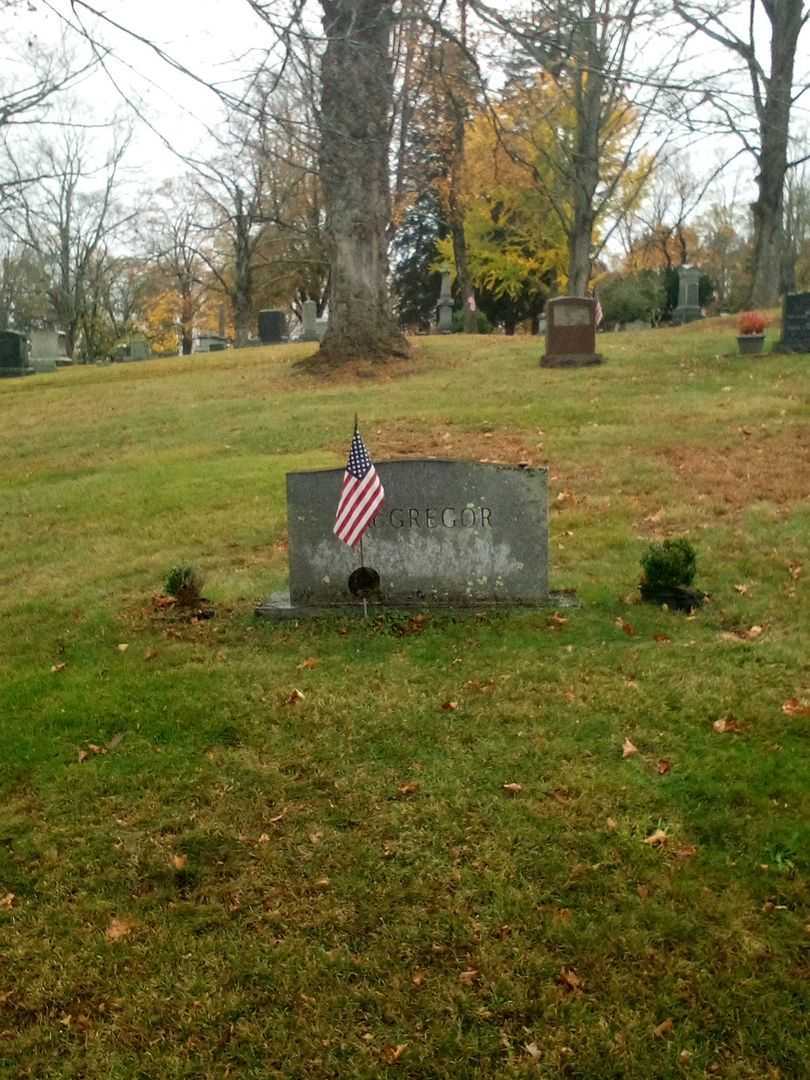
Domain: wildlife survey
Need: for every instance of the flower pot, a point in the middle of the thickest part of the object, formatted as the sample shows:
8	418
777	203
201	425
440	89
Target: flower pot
751	343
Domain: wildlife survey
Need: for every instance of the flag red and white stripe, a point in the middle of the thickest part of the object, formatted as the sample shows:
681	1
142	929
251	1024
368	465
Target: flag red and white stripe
361	496
598	314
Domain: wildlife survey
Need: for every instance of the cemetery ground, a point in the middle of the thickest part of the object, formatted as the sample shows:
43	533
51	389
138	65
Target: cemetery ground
533	844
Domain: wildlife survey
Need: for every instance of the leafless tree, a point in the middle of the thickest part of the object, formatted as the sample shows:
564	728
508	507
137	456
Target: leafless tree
773	93
67	218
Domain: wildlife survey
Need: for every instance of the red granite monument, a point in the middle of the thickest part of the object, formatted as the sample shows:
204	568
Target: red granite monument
571	332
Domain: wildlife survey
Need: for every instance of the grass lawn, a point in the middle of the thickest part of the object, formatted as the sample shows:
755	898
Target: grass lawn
340	887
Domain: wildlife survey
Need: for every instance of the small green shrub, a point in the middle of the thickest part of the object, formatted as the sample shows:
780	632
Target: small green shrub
184	583
670	565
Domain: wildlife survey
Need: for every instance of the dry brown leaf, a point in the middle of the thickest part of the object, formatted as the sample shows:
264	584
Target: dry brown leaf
685	852
468	977
513	789
118	929
653	519
556	621
794	707
392	1054
56	668
83	756
179	862
663	639
795	570
315	838
123	647
612	824
279	817
656	839
450	706
295	696
628	749
409	788
308	664
726	725
418	978
533	1050
570	980
752	633
663	767
115	741
263	839
7	901
150	654
664	1028
741	589
323	883
625	627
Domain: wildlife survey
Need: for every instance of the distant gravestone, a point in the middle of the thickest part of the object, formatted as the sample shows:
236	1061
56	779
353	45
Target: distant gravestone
570	333
795	323
444	308
688	309
14	354
310	321
46	350
272	326
450	534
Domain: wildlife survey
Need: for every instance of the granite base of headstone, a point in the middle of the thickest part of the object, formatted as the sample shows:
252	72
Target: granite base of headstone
454	535
571	333
46	350
795	324
688	309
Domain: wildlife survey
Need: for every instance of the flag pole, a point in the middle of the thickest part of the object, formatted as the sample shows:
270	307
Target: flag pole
362	557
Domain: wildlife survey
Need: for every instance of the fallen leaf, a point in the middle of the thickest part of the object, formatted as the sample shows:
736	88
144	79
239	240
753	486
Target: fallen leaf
150	654
115	741
468	977
612	824
656	839
556	621
664	1028
628	749
570	980
55	668
295	696
263	839
179	862
795	570
123	647
392	1054
726	725
7	901
315	838
323	883
794	707
625	627
663	767
279	817
752	633
418	978
83	756
450	706
642	891
533	1050
513	789
741	589
653	519
118	929
663	639
408	789
685	852
308	664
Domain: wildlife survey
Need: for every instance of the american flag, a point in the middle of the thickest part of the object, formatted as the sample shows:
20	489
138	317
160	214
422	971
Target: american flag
361	496
598	314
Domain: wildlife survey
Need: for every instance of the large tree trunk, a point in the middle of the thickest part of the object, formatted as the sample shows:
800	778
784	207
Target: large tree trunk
585	160
242	291
786	24
356	103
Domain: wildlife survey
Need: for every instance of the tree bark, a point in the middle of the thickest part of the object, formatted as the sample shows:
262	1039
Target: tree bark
585	163
356	104
786	23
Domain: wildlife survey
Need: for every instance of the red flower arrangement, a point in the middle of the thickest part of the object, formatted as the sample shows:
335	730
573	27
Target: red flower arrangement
752	322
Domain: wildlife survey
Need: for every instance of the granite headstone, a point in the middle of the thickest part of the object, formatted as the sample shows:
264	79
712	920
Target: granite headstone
14	354
309	312
688	309
444	308
570	332
450	534
272	326
795	323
